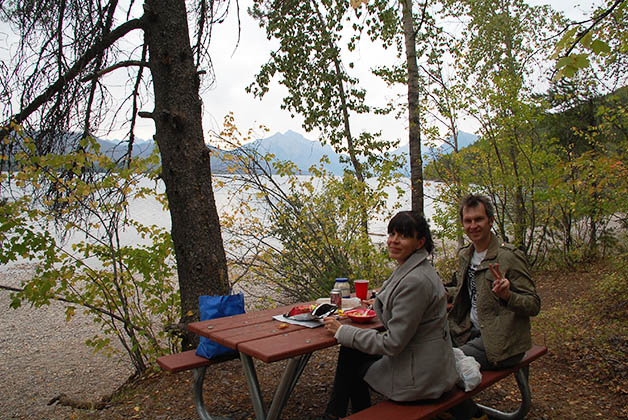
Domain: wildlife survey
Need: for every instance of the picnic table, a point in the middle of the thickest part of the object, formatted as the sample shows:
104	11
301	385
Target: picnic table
256	335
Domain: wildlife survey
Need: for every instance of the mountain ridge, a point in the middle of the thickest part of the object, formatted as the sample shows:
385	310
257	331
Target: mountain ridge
287	146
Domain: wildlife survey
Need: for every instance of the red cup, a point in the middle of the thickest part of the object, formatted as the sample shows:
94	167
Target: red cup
361	288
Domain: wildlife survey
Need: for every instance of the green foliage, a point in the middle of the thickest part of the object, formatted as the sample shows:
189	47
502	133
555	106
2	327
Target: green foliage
319	230
571	173
492	76
599	41
560	325
128	290
554	168
309	64
301	232
587	188
412	28
611	290
446	265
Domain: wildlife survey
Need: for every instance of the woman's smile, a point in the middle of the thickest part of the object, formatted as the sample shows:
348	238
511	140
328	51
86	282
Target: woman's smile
401	247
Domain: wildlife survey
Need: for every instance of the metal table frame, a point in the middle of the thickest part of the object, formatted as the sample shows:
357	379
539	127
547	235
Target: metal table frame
521	376
288	381
199	402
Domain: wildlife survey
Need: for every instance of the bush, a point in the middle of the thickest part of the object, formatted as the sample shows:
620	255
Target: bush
127	289
300	232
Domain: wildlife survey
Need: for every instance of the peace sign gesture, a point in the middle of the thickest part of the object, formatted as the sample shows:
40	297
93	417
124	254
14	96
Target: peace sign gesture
501	285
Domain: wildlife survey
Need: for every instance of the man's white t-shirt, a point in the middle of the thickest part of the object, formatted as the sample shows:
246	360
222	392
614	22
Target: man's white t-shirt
476	260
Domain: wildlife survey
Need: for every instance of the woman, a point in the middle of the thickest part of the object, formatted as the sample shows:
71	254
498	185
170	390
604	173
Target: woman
413	358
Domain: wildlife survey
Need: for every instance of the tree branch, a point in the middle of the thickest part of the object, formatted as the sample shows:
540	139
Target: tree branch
423	16
89	55
146	114
127	63
87	305
590	28
136	88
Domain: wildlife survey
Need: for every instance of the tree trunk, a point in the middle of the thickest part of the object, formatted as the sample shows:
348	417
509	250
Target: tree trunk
201	261
414	116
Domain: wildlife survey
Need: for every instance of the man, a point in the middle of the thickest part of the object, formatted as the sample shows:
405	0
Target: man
493	294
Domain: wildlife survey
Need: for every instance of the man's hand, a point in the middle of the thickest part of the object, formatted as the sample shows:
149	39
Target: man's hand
501	285
331	324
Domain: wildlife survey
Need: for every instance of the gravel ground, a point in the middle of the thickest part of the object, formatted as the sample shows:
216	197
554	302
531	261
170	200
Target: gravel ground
42	356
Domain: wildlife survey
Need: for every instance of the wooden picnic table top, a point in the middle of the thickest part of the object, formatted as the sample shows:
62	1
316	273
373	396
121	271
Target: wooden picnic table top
258	335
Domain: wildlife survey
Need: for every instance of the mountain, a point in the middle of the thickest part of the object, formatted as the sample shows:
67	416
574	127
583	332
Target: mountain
302	152
464	139
116	148
289	146
144	148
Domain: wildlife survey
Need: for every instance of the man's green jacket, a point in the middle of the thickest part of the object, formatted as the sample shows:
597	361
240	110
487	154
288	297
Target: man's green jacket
504	325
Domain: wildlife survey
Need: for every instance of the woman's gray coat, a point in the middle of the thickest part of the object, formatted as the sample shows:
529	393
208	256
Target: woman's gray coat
418	361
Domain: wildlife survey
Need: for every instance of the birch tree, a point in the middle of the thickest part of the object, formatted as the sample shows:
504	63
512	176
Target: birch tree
309	63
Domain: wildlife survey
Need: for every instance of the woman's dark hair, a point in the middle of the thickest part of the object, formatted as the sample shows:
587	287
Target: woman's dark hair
411	224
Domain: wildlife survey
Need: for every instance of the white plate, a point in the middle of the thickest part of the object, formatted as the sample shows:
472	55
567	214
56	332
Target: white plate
347	303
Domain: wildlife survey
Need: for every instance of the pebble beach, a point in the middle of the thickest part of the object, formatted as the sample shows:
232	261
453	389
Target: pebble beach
42	356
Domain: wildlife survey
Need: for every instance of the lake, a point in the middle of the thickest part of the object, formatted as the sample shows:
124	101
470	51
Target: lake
150	212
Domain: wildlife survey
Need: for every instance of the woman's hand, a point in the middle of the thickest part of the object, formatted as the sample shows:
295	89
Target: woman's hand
331	324
367	303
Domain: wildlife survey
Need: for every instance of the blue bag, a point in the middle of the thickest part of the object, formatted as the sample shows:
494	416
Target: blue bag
213	307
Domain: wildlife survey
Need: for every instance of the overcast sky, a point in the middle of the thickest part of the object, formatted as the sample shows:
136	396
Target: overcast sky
235	68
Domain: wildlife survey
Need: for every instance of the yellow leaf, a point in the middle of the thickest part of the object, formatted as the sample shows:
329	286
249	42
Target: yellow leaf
69	313
356	3
190	313
136	408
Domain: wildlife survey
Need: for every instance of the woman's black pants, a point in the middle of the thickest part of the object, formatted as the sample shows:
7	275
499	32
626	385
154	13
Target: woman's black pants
349	384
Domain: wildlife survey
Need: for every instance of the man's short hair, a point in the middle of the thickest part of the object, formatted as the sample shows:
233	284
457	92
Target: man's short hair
474	200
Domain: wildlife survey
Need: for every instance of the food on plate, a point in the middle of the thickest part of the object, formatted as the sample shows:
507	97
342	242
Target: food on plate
361	315
301	309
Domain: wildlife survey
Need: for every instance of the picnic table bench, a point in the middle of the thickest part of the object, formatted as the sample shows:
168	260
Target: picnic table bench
179	362
423	410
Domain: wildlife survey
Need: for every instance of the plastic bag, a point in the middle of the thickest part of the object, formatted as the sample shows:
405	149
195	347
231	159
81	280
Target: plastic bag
212	307
468	370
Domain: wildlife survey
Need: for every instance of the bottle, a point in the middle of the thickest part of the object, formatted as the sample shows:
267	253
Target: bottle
342	284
